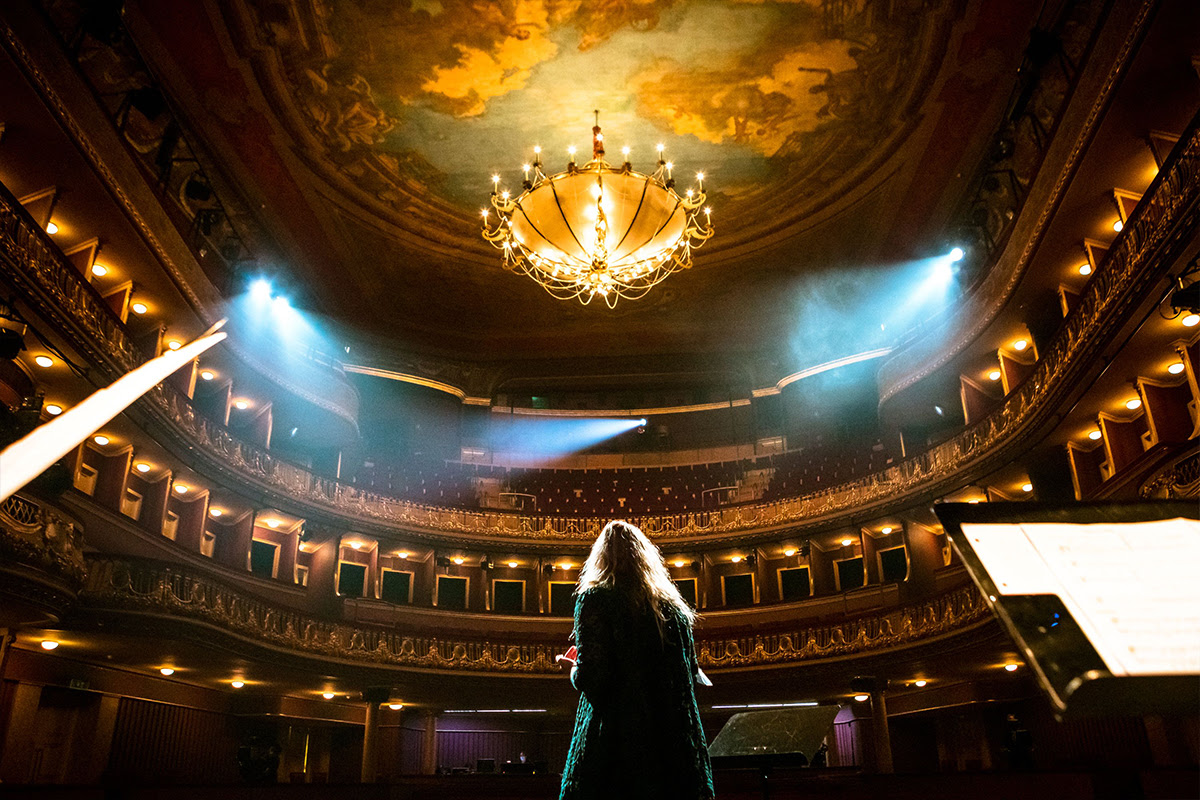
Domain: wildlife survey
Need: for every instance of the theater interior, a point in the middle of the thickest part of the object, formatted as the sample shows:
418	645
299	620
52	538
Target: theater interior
953	256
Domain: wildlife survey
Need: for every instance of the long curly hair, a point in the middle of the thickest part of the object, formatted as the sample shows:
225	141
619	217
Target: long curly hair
623	558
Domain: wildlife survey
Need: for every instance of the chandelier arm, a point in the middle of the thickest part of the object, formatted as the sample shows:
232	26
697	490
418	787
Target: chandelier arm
563	214
633	219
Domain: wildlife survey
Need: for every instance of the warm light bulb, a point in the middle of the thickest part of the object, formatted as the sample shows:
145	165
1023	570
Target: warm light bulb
99	270
181	489
458	560
207	375
174	345
885	530
53	409
49	644
101	439
395	706
679	562
565	565
994	375
1011	667
51	228
327	695
1020	344
167	671
571	150
1094	435
736	559
272	523
1027	487
625	152
215	512
791	551
699	176
402	554
241	405
660	147
537	150
237	684
1118	226
142	467
1134	404
1190	320
512	564
139	308
355	545
495	179
862	698
919	683
670	166
1176	368
1085	269
44	361
847	542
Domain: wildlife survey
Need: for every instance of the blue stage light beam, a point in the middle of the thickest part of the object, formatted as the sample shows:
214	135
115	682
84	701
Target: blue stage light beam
551	437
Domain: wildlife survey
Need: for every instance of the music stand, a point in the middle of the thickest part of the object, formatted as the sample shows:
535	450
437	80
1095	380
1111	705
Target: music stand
1101	599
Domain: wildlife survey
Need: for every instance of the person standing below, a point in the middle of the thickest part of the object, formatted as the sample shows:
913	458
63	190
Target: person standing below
637	730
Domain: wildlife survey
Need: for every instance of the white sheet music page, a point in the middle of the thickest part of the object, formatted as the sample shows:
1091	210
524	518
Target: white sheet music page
1131	586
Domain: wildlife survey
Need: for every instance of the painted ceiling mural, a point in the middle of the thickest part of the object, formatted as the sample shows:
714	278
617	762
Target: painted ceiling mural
428	98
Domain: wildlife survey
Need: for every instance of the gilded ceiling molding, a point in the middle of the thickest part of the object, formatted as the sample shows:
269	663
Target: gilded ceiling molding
113	584
918	359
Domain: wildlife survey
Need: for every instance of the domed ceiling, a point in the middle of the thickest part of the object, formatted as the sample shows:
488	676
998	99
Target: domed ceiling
360	137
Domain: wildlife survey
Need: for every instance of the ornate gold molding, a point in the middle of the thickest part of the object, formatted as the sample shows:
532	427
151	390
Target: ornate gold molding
34	535
177	592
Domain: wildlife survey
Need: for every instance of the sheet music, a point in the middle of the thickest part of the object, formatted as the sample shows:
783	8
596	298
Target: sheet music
1132	587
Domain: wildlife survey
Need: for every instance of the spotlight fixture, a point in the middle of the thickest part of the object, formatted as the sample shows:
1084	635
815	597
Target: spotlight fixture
1186	298
49	644
167	671
139	308
44	361
957	254
597	229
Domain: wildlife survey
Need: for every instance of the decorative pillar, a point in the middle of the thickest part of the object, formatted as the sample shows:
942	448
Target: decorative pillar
373	696
429	754
370	758
879	732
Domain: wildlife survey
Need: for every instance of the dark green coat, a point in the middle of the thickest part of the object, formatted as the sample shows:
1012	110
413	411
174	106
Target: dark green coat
637	730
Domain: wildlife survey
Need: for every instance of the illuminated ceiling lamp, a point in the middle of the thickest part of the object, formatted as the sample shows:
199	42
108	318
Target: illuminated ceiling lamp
597	229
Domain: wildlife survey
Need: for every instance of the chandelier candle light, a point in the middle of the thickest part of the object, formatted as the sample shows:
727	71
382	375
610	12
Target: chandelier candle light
597	229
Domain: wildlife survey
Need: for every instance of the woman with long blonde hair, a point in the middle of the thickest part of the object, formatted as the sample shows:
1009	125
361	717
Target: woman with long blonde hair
637	729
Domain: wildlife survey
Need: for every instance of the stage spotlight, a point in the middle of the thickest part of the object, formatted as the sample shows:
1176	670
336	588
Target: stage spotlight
281	305
260	290
957	254
1186	298
12	342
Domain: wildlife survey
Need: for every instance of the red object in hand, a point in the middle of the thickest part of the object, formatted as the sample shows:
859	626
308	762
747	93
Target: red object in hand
569	657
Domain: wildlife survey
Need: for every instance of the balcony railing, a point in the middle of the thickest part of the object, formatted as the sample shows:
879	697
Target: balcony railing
141	587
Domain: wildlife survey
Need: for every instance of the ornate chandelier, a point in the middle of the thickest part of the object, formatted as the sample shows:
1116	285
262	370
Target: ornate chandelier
597	229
